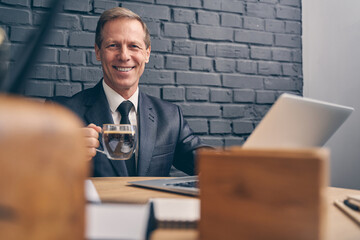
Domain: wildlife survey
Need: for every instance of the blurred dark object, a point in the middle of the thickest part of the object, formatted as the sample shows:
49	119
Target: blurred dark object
4	55
27	57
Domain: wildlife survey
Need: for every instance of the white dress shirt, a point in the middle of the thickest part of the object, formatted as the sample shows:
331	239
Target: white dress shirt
114	99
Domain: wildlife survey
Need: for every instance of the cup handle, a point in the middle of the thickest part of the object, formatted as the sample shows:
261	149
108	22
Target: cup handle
100	151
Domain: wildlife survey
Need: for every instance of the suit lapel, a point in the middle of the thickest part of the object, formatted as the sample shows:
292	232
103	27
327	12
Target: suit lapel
99	113
147	133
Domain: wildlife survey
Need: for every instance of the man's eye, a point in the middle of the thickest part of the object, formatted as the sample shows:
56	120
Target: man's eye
135	46
111	45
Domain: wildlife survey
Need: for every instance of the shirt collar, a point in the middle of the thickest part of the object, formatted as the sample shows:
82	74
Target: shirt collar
115	99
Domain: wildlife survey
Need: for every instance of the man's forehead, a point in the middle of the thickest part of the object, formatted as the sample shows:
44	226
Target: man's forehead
132	20
108	24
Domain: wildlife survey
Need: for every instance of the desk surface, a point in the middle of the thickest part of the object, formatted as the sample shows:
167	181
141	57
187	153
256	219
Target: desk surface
339	226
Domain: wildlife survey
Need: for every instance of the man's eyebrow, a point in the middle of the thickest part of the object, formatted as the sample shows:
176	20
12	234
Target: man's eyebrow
109	41
137	42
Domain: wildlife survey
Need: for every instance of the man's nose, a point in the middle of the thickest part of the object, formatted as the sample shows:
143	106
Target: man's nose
123	54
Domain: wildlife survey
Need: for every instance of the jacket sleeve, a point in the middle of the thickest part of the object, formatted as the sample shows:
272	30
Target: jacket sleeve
185	152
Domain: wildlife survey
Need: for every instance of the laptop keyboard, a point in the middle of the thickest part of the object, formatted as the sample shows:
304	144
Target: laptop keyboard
187	184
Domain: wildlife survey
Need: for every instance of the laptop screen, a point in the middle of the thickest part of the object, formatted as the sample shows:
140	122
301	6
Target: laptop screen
295	121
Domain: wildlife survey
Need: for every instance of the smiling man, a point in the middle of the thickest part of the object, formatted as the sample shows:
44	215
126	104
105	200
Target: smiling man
123	52
122	44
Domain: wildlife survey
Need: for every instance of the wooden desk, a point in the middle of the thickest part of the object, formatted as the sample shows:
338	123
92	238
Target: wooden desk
339	226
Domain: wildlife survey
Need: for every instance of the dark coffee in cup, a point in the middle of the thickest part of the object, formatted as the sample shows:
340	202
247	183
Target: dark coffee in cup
119	140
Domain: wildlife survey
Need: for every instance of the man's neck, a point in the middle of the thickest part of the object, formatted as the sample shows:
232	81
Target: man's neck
126	93
114	98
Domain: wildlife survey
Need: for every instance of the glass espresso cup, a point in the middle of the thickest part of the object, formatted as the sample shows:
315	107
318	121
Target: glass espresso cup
119	141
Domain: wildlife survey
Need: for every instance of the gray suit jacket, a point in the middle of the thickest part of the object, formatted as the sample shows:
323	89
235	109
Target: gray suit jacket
165	138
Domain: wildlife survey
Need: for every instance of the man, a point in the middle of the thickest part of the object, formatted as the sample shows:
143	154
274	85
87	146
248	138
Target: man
122	44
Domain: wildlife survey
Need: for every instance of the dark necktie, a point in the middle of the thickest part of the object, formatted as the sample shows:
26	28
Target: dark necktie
124	110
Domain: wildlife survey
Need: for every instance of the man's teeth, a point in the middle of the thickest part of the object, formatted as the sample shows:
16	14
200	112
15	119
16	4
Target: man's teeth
123	69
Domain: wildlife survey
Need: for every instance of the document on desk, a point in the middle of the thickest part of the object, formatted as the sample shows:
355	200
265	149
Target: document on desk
117	221
176	212
91	194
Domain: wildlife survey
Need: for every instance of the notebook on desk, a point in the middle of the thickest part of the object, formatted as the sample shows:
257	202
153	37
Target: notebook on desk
292	122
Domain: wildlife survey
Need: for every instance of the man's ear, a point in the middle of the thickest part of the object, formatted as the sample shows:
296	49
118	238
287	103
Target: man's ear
148	54
97	52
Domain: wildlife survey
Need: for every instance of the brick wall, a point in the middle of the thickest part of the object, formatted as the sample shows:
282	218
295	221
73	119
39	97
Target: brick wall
223	61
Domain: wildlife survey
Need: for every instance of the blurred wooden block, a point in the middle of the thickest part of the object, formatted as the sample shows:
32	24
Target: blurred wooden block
263	194
42	171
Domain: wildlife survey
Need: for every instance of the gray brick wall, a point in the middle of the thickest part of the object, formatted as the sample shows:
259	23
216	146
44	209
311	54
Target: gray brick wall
224	62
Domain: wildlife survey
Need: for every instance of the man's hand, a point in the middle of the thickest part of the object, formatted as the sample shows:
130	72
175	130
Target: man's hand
91	134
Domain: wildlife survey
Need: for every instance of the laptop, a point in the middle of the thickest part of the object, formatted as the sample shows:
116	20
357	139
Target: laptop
184	185
291	122
298	122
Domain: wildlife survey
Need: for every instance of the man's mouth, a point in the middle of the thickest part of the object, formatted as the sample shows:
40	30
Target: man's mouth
123	69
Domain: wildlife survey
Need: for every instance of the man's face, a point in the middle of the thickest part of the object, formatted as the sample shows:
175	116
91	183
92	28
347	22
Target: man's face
123	55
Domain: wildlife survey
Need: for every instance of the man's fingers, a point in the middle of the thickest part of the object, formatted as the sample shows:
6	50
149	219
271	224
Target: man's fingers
91	142
90	153
93	126
90	132
91	135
